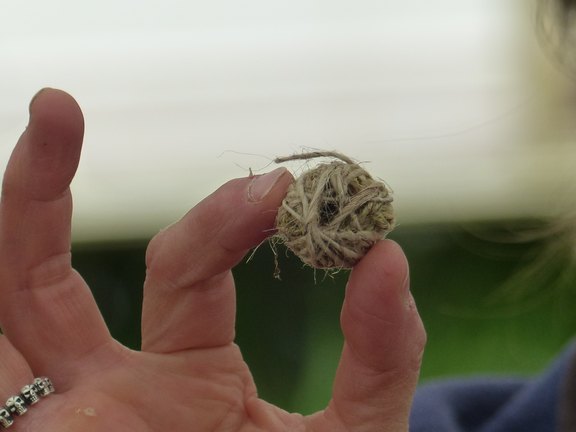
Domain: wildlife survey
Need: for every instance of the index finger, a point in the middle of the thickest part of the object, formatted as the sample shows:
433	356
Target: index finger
46	311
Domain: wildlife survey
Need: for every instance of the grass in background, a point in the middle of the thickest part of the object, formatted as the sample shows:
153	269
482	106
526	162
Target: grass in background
487	306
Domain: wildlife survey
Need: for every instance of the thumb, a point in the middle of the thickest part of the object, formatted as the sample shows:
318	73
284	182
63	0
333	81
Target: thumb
384	341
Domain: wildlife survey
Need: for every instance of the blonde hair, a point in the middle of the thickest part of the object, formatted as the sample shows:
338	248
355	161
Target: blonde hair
556	27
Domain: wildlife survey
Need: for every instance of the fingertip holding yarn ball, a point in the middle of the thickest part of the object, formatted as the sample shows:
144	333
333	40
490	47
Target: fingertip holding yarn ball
334	213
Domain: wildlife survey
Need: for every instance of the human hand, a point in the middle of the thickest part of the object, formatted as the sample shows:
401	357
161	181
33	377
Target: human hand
189	375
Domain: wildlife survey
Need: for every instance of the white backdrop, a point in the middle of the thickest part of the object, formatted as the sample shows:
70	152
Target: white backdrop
438	97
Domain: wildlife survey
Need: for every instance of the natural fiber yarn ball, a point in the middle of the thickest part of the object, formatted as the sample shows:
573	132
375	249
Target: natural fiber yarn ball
334	213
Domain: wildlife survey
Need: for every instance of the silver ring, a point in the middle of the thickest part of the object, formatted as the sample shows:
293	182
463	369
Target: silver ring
18	405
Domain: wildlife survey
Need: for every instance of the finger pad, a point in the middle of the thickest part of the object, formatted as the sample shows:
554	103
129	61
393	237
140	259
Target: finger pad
47	155
383	269
376	307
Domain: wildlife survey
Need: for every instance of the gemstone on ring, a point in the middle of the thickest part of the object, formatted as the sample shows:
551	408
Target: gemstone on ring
19	404
30	394
49	385
6	419
43	386
16	405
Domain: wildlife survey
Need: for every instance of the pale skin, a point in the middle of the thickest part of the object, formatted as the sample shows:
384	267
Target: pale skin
189	374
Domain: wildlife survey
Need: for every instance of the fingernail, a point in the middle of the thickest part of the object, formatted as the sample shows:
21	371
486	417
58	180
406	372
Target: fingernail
263	184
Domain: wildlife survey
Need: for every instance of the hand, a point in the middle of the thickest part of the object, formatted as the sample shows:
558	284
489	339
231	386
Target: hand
189	375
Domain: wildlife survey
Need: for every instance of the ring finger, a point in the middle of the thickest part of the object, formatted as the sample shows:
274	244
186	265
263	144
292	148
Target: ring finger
14	373
14	370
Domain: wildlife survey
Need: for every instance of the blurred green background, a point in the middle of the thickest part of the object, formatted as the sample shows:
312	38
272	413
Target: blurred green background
495	298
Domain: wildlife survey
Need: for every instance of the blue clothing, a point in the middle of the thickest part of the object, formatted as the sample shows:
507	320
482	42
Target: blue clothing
543	404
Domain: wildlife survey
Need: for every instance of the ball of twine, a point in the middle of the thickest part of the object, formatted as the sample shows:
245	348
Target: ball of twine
334	213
